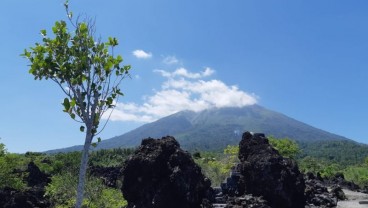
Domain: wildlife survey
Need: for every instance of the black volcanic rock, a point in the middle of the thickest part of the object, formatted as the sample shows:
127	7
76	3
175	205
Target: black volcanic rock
266	173
316	193
339	179
36	177
109	175
31	197
247	201
160	174
337	192
11	198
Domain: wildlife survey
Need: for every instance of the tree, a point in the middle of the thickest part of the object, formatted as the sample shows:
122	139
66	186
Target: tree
87	72
2	149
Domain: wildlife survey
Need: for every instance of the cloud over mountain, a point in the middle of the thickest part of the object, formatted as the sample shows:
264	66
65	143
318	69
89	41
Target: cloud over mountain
183	90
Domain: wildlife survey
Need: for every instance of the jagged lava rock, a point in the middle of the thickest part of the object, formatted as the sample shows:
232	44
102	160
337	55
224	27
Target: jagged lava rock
266	173
109	175
317	194
160	174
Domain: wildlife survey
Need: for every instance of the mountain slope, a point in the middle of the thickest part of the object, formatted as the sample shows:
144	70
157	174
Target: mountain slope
214	129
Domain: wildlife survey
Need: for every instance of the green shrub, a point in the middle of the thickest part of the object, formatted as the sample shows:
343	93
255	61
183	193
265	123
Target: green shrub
12	168
286	147
357	174
62	192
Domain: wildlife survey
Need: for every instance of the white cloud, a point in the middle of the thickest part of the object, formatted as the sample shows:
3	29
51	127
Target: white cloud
170	60
208	72
182	72
141	54
183	90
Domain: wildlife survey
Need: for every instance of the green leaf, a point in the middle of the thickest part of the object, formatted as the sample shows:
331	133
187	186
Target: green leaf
119	59
73	102
83	27
66	105
81	128
43	33
109	101
94	144
119	92
99	139
66	3
72	115
113	41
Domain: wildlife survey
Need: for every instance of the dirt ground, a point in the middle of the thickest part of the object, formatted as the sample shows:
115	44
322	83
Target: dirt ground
353	200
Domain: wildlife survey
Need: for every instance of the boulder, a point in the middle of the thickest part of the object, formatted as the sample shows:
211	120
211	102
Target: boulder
337	192
160	174
266	173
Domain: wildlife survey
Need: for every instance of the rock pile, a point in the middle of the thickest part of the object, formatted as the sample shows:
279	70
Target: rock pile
160	174
266	173
317	194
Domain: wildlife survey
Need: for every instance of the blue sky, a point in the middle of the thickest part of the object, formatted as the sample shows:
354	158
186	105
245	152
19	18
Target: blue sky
305	59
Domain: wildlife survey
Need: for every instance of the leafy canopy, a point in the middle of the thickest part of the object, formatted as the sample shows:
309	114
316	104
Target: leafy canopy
85	68
88	73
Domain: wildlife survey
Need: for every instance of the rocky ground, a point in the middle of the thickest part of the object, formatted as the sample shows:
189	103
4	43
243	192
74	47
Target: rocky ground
353	200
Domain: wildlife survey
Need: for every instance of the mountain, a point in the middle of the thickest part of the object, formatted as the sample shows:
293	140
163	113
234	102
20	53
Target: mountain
214	129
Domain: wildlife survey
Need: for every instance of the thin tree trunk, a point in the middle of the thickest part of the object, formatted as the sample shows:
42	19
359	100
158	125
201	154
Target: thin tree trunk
83	169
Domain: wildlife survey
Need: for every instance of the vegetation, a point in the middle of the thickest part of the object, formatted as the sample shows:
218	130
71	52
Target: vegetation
286	147
343	152
11	171
216	166
62	190
358	174
87	72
